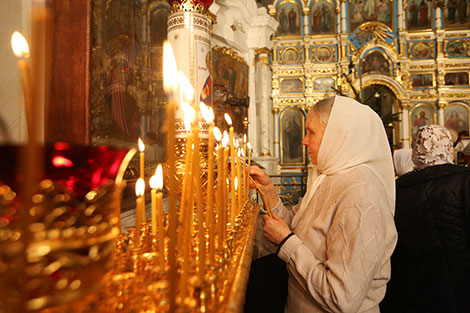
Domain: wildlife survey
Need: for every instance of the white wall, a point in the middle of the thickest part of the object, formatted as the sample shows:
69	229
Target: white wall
12	13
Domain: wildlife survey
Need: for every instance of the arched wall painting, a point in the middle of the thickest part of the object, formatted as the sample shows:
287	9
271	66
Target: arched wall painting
322	18
456	13
375	62
420	115
419	14
456	118
361	11
288	15
292	122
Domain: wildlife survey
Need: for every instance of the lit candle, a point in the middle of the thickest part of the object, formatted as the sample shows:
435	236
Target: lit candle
232	170
200	212
220	184
156	183
185	207
225	142
142	162
245	181
208	115
21	50
170	84
239	180
247	190
139	207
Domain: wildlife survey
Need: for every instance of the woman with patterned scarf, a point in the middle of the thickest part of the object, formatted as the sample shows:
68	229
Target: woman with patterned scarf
431	263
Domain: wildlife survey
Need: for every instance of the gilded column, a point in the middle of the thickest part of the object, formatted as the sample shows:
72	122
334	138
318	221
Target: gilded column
306	12
405	126
440	115
343	16
189	35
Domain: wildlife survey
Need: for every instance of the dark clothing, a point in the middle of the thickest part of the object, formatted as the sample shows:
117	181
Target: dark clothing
431	263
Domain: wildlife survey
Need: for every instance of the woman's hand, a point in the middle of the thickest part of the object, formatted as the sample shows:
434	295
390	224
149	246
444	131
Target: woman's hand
264	183
275	229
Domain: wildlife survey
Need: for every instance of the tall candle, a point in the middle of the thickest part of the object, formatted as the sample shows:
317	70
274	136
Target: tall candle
142	163
156	183
210	218
21	50
170	84
200	211
247	190
140	207
220	184
225	142
233	203
245	181
239	179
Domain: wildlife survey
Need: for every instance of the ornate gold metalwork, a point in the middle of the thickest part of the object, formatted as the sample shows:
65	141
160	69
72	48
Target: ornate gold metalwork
230	52
188	6
372	30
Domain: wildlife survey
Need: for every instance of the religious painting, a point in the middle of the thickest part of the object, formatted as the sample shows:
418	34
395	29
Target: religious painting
456	118
421	50
419	14
292	121
322	18
362	11
456	79
289	85
289	17
375	62
456	48
158	19
230	87
422	80
420	115
127	100
290	56
456	14
323	83
323	54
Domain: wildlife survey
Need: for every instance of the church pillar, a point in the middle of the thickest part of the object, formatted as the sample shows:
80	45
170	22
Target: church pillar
306	12
343	16
263	102
401	15
189	35
438	18
405	130
440	115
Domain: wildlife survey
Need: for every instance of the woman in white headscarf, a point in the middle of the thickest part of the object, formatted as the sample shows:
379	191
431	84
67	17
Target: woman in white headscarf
402	161
431	262
338	240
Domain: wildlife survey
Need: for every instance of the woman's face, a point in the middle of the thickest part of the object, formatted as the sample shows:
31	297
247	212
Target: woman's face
314	136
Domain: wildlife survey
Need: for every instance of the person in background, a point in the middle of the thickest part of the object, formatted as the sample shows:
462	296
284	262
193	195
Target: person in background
402	161
338	240
462	141
431	263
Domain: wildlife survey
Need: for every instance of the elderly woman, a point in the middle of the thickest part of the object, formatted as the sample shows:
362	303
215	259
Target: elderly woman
338	240
431	263
402	161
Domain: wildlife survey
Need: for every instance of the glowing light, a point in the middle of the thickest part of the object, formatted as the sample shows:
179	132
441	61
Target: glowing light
19	45
228	119
206	112
139	187
189	115
217	134
156	181
248	145
244	138
225	139
141	145
236	183
185	87
60	161
170	73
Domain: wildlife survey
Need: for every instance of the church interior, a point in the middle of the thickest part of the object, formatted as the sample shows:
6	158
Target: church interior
98	80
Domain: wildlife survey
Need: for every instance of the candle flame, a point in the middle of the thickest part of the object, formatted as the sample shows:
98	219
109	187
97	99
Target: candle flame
207	112
244	138
225	139
141	145
189	114
170	73
242	152
239	152
19	45
228	119
156	181
140	187
236	183
248	145
217	134
186	87
228	181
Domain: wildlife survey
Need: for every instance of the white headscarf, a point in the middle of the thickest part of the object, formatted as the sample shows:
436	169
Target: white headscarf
354	136
402	161
432	145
